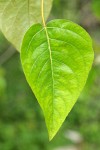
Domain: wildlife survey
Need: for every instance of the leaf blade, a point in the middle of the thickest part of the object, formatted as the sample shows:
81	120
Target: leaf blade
56	66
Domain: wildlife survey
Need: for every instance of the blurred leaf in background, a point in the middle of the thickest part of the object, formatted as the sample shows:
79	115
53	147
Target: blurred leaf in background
96	8
17	16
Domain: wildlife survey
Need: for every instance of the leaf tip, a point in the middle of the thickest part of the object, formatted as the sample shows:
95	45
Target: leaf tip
52	133
51	136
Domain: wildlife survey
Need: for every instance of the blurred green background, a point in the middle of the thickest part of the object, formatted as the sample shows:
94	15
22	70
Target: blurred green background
22	125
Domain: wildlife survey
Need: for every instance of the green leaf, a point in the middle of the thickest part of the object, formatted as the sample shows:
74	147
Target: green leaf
16	16
56	61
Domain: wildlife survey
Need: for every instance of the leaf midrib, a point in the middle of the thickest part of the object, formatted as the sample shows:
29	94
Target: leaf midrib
51	64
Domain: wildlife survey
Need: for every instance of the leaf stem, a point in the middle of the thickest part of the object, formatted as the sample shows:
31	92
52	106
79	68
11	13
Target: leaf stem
42	12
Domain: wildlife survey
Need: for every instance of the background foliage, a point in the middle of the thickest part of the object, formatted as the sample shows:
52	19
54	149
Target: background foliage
22	123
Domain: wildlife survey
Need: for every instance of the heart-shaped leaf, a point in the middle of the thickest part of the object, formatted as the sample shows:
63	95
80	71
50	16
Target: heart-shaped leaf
56	60
16	16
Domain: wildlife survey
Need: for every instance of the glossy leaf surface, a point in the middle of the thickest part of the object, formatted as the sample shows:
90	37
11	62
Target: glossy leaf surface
56	61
